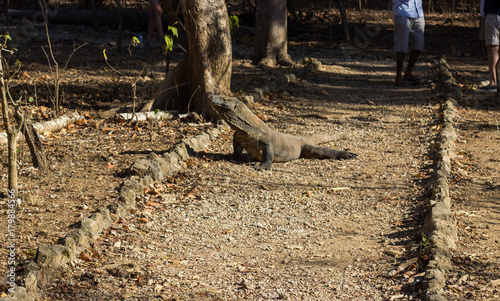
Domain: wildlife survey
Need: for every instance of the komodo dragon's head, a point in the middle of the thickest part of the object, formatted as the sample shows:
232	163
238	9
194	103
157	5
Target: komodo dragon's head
234	112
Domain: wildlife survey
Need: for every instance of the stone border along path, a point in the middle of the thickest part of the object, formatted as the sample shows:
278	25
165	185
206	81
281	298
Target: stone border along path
440	224
143	173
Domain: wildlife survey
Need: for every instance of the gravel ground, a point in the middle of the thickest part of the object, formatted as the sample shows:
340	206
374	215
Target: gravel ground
305	230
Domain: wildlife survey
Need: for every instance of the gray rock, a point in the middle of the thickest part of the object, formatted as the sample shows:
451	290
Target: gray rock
155	171
31	283
52	256
139	167
127	196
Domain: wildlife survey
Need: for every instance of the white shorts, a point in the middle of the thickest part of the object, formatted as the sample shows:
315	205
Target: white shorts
491	29
408	32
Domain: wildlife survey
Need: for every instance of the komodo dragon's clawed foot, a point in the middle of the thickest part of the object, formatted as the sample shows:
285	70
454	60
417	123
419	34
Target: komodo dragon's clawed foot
346	155
262	166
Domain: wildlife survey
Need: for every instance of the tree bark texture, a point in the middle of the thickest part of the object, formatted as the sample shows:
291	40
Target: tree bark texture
271	42
206	68
33	141
11	132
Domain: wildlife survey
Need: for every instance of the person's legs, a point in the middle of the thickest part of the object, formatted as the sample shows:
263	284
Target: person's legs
155	12
492	63
416	44
400	59
412	60
492	38
401	41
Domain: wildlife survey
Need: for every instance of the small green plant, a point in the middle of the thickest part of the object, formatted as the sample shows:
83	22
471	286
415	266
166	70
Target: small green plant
107	62
169	44
30	252
54	67
424	243
234	21
134	42
169	40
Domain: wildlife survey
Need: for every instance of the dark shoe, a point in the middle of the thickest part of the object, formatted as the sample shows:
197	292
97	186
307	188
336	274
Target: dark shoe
402	83
488	88
412	80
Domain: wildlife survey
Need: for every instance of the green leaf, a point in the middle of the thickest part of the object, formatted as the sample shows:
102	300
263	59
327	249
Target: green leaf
174	31
157	111
7	36
135	41
234	21
169	42
145	72
31	99
18	64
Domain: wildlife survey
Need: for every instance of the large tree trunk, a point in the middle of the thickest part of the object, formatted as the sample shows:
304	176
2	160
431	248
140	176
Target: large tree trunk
206	68
271	40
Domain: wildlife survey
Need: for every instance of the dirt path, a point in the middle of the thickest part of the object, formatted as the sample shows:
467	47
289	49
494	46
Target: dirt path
307	229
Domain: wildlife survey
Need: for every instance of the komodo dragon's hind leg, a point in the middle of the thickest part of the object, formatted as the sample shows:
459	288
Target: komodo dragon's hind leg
312	151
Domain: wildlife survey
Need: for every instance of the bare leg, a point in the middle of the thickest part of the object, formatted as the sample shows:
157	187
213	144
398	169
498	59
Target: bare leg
155	13
412	60
492	63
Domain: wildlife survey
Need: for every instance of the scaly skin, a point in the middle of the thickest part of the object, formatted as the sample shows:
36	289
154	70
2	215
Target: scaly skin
266	144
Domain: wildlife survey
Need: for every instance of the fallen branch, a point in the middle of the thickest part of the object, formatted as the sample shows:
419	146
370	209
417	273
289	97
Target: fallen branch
152	115
33	140
51	126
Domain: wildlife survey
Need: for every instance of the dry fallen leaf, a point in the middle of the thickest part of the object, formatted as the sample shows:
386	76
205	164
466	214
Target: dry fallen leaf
84	256
263	117
150	203
153	192
81	121
44	77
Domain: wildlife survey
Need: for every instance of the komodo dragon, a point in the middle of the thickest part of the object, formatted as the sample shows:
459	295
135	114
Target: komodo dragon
266	144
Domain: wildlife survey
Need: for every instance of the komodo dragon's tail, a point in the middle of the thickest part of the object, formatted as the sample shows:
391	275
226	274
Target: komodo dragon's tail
316	139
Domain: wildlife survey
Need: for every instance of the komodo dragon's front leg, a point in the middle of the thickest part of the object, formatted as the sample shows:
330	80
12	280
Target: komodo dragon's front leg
267	157
266	149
